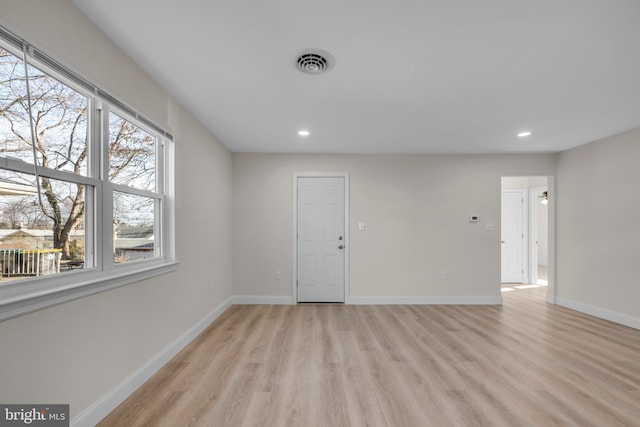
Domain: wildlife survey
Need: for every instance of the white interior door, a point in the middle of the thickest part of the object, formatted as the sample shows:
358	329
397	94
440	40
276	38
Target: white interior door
512	237
321	239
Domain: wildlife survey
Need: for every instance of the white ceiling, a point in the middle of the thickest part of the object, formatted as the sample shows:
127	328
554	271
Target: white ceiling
410	76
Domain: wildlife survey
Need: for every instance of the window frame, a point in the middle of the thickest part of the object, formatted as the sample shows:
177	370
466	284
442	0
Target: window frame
158	195
101	273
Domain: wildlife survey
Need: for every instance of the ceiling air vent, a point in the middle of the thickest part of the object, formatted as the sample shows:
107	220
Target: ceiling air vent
314	61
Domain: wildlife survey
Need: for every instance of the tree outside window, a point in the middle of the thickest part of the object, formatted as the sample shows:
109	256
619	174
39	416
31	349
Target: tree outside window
60	116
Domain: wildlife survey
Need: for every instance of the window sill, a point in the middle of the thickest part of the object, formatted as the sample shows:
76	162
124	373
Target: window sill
25	297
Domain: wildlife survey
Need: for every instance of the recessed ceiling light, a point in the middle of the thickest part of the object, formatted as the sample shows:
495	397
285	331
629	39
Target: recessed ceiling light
303	132
524	134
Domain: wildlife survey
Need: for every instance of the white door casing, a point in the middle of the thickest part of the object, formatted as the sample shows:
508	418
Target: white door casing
535	197
512	247
321	239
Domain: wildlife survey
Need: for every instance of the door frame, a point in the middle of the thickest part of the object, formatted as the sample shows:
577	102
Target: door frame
347	240
551	235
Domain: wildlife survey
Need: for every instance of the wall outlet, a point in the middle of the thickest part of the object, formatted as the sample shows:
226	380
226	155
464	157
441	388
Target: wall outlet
444	275
278	275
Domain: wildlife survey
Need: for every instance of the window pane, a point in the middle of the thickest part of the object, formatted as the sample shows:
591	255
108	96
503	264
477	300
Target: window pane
40	240
132	154
59	115
133	228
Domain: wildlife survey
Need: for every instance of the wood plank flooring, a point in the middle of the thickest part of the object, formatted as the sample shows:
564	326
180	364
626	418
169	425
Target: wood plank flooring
526	363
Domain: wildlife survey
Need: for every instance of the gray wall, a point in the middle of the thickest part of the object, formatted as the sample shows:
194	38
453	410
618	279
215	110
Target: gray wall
416	212
598	232
76	352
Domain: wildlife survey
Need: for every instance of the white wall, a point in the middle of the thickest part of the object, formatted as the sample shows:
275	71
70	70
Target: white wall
523	182
415	209
76	352
598	232
515	183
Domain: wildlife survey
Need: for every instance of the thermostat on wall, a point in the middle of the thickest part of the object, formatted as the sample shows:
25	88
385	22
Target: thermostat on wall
474	218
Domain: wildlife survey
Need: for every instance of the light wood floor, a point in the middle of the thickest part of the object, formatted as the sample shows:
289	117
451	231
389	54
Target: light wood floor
526	363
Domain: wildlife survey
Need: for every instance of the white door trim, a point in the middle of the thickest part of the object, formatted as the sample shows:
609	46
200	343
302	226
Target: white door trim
551	243
347	240
534	195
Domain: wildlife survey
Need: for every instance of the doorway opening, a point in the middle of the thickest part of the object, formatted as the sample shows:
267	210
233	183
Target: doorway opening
525	230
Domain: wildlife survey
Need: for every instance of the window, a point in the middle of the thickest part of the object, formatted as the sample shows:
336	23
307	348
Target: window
133	155
52	222
84	181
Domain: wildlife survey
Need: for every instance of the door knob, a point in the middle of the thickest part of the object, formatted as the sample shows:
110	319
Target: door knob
503	241
340	247
339	237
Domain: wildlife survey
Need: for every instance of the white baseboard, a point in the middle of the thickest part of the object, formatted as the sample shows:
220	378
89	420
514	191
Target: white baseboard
425	300
262	299
377	300
107	403
623	319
